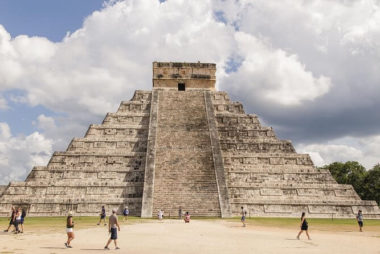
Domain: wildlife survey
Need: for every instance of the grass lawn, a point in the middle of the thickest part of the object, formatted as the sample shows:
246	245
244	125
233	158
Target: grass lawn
314	224
58	223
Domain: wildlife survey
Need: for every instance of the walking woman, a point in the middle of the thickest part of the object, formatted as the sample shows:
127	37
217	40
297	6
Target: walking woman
69	229
304	226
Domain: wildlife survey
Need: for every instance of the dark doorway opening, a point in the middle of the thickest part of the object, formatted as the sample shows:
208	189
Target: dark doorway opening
181	87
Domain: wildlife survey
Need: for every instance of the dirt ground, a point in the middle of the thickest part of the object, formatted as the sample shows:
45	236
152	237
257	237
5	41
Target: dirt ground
200	236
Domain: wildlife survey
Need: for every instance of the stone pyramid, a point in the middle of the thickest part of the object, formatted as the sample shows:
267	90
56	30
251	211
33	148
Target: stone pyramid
183	144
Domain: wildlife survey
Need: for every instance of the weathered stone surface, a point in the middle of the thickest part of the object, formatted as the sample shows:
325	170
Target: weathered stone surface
195	148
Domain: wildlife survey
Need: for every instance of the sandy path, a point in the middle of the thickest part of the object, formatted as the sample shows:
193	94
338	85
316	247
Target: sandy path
171	236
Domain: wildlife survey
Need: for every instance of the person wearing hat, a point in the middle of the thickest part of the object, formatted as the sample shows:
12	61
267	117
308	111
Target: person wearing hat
113	227
69	229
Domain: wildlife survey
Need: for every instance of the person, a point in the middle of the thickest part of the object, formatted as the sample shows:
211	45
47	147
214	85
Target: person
113	226
359	218
125	213
23	215
160	214
187	217
180	213
304	226
11	220
17	220
243	215
69	229
102	216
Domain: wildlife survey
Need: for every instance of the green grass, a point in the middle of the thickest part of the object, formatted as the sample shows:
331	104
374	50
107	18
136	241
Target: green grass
54	223
314	223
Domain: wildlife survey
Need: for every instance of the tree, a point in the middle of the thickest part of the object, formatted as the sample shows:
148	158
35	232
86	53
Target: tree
351	172
372	184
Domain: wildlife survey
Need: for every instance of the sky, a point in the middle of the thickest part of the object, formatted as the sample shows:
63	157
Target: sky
309	69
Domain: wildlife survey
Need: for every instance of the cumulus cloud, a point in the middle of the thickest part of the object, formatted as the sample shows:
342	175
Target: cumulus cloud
272	74
308	68
365	150
19	154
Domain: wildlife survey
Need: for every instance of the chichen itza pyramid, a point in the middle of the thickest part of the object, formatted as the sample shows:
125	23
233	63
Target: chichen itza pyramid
183	144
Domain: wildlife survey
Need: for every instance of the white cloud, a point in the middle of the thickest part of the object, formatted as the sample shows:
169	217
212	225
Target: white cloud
19	154
273	74
364	150
293	54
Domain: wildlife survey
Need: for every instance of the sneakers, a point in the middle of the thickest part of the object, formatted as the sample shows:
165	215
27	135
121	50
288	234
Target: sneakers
106	248
6	230
117	248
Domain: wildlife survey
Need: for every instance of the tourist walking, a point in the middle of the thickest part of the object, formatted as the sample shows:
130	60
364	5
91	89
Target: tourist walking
11	220
69	229
359	218
180	213
304	226
187	217
243	215
102	216
160	214
113	227
125	213
23	215
17	220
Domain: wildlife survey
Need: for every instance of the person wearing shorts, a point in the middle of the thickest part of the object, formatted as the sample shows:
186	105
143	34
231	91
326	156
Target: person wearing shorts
102	216
113	227
69	229
359	218
17	220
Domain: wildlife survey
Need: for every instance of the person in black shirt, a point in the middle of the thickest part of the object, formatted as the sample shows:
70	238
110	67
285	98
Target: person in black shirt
103	216
69	229
304	226
12	219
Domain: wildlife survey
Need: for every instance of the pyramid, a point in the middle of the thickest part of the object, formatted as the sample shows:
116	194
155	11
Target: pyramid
183	144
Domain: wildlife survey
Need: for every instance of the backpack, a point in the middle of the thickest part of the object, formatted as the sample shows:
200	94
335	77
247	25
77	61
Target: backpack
23	214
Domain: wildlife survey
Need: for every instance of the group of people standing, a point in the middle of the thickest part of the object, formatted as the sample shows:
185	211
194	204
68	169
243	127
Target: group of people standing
17	220
160	215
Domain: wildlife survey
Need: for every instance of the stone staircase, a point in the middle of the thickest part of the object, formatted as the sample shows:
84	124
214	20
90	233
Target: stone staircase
267	176
184	168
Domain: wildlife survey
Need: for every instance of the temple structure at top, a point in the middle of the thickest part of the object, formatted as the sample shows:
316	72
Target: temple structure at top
183	144
184	76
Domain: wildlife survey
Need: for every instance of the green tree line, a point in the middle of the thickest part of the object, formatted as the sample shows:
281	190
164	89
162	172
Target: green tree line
365	182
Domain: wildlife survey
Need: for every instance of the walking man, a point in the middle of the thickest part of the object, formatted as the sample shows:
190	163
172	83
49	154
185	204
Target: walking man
359	218
113	227
12	219
102	216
